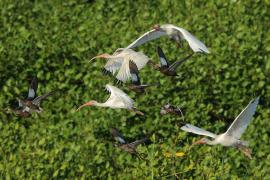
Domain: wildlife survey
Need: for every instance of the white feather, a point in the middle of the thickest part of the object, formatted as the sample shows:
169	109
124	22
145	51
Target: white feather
241	122
196	130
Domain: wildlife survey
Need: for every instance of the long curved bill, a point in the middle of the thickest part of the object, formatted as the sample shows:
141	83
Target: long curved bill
84	105
99	56
196	143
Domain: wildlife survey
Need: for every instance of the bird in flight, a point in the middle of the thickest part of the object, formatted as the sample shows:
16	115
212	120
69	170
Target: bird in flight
164	66
119	62
232	136
136	85
32	102
117	99
176	33
170	109
128	147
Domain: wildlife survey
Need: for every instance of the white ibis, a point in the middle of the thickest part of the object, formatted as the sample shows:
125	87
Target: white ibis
164	66
117	99
128	147
32	102
119	61
176	33
232	136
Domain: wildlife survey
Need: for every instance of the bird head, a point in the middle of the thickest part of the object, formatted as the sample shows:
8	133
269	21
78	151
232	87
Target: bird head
90	103
104	56
156	27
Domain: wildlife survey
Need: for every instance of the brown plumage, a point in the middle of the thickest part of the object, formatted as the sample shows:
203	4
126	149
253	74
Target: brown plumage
128	147
136	85
170	109
32	102
164	66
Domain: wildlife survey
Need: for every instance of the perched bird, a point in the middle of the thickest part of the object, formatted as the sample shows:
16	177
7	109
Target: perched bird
128	147
136	85
32	102
176	33
164	66
119	62
117	99
168	108
232	136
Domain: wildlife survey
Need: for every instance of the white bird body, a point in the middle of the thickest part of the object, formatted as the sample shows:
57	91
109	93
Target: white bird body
232	136
118	99
173	32
119	62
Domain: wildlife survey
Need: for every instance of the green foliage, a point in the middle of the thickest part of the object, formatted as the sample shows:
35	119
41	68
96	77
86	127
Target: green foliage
54	40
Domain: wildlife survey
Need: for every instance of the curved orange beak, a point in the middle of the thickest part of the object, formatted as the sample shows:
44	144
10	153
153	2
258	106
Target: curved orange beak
196	143
100	56
90	103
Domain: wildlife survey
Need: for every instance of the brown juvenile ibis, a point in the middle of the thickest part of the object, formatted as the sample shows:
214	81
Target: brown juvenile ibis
136	85
164	66
32	102
128	147
170	109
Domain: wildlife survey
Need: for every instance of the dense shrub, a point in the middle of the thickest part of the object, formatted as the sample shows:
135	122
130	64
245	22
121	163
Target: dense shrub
54	40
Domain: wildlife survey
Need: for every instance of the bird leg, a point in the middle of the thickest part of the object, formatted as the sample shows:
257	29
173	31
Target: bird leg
247	152
137	111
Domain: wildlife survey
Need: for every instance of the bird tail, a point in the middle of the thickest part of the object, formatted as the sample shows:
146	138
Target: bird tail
245	150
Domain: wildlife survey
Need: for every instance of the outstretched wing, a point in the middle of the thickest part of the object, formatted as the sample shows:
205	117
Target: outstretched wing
162	58
148	36
138	58
116	134
177	63
196	130
38	99
195	44
32	92
119	98
134	72
113	65
241	122
138	142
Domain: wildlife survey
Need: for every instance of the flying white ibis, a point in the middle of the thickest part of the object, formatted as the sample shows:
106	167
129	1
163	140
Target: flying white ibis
117	99
32	102
232	136
176	33
119	61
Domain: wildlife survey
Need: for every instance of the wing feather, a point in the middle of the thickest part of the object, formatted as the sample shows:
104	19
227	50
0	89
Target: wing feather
148	36
196	130
38	99
241	122
32	92
162	58
119	98
195	44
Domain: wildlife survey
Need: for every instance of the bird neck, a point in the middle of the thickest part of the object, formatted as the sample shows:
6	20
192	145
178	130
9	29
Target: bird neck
211	142
100	104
